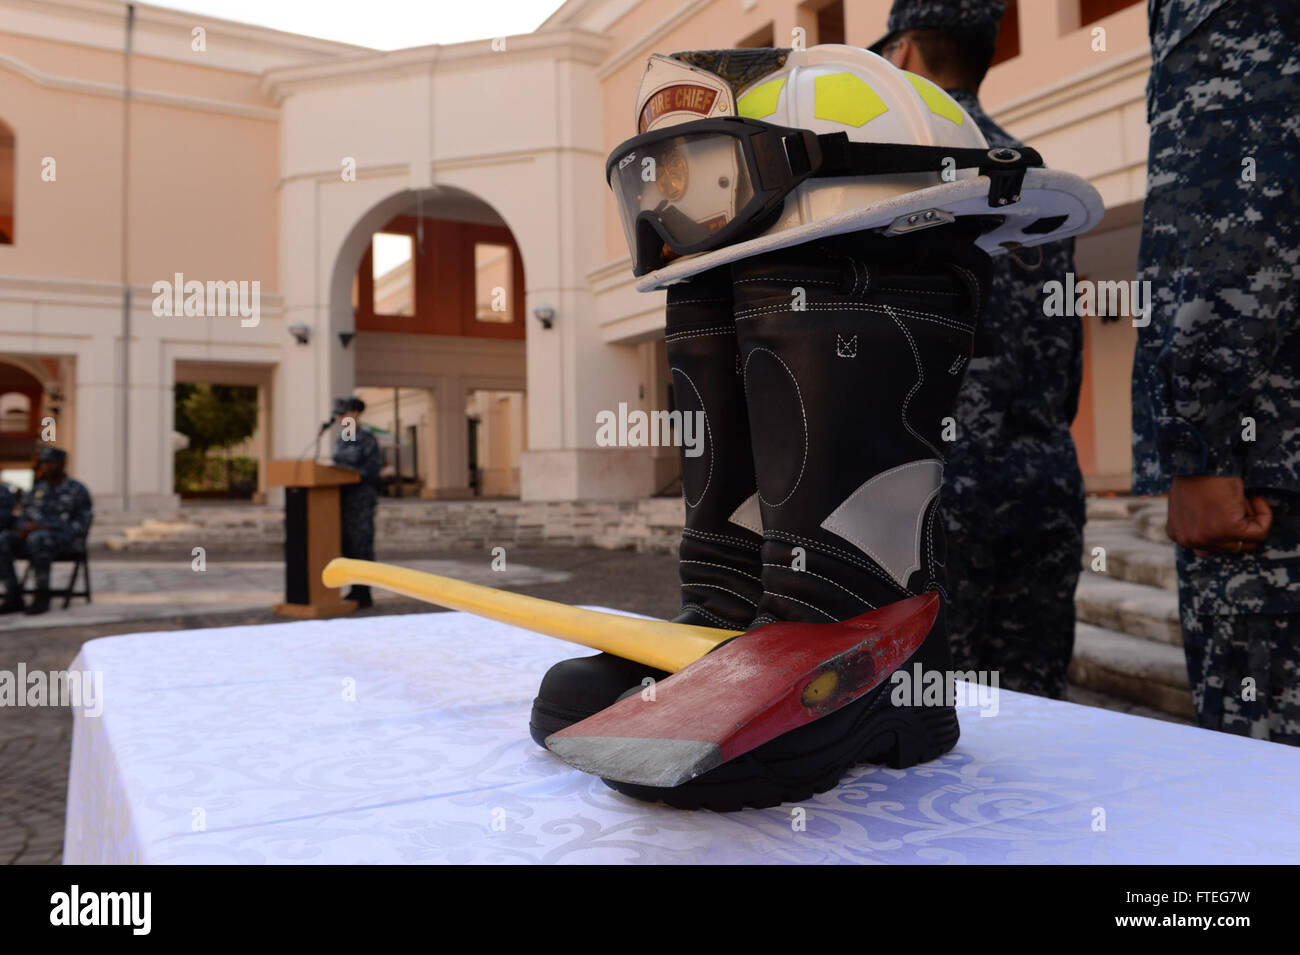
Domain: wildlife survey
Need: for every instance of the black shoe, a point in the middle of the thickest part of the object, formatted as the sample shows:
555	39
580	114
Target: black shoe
574	689
13	603
361	595
40	603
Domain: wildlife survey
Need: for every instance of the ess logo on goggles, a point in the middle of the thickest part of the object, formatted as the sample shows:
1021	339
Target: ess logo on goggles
706	184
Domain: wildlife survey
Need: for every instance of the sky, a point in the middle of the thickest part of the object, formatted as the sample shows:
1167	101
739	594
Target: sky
381	24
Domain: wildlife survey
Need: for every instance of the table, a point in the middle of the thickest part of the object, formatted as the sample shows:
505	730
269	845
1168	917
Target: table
403	739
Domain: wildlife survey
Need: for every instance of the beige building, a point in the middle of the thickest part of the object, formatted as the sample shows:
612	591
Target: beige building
186	199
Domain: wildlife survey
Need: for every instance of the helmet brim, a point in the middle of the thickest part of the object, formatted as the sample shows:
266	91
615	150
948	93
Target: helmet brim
1045	195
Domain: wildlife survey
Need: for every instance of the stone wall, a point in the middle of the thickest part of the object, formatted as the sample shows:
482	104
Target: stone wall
402	527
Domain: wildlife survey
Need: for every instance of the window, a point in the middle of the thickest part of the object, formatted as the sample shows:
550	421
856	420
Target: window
15	413
1008	43
764	37
393	269
830	23
1093	10
6	185
493	281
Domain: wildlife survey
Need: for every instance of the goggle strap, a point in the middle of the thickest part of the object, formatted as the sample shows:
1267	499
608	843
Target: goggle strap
1005	167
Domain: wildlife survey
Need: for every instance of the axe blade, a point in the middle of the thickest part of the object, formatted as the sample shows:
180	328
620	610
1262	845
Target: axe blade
750	690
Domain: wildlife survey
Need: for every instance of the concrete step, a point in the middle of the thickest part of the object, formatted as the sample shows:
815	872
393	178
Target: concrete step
1140	611
1149	521
1132	668
1113	508
1129	556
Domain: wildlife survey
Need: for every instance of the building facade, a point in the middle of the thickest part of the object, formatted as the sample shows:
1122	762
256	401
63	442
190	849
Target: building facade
185	199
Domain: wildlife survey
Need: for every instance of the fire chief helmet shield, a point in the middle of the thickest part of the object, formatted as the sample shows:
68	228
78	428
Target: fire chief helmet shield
696	180
761	124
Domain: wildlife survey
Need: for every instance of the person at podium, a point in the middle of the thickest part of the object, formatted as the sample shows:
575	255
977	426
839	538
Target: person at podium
357	450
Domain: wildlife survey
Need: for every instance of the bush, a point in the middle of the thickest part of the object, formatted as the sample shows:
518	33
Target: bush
236	475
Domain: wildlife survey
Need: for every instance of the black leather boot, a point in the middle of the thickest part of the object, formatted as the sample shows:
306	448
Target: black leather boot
853	350
719	552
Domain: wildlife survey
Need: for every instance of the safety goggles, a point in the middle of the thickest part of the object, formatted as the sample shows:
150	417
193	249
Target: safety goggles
703	185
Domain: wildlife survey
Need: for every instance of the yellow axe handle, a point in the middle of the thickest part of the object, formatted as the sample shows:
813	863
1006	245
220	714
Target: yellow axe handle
656	643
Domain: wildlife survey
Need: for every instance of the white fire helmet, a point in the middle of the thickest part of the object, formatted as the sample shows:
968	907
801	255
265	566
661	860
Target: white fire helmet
729	166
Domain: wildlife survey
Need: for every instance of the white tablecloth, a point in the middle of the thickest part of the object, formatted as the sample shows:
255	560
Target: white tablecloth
404	739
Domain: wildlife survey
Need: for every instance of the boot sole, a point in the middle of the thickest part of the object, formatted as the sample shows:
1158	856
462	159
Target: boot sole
548	718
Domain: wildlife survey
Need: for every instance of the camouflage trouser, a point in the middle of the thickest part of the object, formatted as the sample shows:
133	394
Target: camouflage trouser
357	503
1012	584
40	547
1241	631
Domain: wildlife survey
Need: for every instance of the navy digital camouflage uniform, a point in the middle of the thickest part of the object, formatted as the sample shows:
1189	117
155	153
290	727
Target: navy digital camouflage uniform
65	509
6	508
1221	248
358	501
1013	493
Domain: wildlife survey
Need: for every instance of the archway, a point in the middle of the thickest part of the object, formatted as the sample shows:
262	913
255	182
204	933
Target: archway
35	409
427	295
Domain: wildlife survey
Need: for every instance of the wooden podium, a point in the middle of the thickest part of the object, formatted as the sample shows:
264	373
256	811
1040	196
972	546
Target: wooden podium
312	535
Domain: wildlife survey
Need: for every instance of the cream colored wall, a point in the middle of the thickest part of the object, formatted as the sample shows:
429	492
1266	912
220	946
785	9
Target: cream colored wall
203	201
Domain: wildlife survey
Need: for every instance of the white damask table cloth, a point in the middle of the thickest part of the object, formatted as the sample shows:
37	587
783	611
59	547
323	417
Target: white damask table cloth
404	739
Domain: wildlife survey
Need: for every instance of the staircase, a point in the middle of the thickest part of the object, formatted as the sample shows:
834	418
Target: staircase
243	529
1127	641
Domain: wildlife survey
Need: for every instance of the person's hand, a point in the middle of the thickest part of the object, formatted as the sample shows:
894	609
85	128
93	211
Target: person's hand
1211	515
27	528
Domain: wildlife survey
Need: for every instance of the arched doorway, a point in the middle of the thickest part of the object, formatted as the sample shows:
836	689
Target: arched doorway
35	410
427	295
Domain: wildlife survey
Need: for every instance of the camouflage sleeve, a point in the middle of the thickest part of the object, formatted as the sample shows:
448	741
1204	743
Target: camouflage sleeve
362	454
71	513
349	454
1220	235
80	513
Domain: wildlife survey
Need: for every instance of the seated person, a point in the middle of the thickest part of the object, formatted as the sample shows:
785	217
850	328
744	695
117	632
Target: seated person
6	508
55	518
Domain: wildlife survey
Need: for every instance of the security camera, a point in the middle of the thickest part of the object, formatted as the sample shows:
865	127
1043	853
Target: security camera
301	332
544	314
